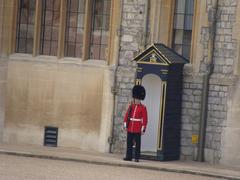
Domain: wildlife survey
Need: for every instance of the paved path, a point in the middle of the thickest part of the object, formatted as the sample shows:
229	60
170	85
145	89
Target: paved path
27	168
75	155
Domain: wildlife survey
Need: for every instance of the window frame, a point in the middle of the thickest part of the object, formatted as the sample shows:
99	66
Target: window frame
78	13
43	26
112	37
195	24
183	29
18	27
162	12
195	30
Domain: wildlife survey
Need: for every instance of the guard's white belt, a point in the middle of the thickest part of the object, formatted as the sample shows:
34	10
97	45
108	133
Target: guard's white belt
134	119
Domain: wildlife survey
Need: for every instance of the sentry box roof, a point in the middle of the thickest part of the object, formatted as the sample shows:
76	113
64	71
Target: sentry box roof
159	54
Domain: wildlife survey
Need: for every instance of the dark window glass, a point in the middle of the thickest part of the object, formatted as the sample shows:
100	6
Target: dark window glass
74	28
182	32
25	26
100	29
50	27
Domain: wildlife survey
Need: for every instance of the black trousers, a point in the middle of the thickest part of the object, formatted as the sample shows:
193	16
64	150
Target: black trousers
131	137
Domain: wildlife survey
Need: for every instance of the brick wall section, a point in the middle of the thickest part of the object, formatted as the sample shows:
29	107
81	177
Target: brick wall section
131	33
191	104
224	57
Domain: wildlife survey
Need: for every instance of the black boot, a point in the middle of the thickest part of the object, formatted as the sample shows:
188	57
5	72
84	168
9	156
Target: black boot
127	159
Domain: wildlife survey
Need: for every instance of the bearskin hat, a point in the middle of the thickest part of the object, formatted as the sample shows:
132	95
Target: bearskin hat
138	92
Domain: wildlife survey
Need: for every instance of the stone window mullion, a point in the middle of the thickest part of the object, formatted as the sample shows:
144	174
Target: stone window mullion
11	21
161	21
14	32
114	38
62	27
87	25
37	28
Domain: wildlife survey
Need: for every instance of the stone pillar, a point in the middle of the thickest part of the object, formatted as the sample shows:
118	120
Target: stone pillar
131	34
3	73
230	147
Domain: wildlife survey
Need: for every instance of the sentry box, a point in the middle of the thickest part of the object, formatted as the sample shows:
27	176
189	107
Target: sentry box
160	71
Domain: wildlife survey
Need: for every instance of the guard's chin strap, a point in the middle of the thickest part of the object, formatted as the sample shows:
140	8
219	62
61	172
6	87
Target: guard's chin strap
135	103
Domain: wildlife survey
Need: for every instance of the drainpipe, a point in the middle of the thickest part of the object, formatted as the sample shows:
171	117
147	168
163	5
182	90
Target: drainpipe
212	19
114	88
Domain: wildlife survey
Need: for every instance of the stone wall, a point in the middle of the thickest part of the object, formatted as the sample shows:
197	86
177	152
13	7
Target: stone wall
191	104
230	147
64	95
131	34
3	75
224	54
222	79
221	104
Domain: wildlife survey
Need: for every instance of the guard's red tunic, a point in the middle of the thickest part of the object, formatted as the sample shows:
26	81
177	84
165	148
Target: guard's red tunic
138	118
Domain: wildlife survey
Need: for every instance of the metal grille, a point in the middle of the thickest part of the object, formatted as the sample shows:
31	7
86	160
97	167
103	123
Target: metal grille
182	32
50	27
50	136
74	28
25	26
100	28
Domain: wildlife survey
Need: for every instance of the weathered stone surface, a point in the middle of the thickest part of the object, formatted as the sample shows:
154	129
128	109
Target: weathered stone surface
132	28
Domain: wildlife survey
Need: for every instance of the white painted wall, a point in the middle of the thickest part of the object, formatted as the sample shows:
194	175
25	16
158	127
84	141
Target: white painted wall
152	84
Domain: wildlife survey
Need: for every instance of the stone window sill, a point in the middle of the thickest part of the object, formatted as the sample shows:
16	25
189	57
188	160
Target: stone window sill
54	59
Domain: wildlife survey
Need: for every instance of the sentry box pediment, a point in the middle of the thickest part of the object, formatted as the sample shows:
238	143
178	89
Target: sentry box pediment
159	54
160	71
159	59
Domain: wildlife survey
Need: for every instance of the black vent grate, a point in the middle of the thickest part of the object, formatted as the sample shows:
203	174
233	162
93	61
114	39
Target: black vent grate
50	136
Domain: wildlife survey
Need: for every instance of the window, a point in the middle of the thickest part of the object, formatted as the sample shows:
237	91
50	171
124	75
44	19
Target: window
182	31
75	28
70	28
100	28
50	27
25	26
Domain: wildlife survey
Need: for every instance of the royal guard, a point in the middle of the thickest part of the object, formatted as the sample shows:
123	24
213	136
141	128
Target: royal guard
135	122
